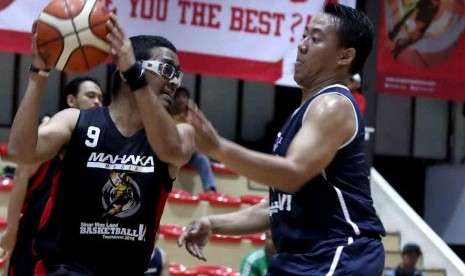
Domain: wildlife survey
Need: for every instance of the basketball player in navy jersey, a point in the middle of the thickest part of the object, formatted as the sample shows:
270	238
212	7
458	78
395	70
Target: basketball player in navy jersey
118	166
320	209
32	185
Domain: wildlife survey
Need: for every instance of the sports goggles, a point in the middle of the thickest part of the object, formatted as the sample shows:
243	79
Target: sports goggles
166	70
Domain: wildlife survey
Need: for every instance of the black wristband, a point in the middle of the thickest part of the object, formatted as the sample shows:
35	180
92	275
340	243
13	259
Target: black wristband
40	72
135	77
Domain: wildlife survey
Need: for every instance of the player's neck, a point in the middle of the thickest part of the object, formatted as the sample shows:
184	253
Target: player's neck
125	115
320	84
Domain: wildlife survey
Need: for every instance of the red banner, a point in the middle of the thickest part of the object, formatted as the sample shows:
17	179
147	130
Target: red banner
249	39
421	48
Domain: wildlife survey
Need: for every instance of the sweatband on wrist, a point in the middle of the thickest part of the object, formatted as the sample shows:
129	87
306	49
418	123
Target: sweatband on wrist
41	72
135	77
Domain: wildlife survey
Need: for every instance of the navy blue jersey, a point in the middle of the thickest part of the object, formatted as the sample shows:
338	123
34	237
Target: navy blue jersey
23	258
106	208
335	204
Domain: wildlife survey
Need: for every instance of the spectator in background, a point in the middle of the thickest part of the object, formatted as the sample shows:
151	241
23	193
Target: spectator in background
199	161
410	254
354	87
256	262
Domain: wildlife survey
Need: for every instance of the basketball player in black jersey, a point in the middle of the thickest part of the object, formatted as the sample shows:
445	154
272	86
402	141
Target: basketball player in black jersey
32	185
320	209
86	228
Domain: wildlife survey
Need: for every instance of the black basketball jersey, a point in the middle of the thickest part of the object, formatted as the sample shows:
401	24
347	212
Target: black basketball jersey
23	259
109	200
335	204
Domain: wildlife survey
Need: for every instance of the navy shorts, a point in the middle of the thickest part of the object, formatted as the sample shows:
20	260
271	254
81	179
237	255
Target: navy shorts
359	256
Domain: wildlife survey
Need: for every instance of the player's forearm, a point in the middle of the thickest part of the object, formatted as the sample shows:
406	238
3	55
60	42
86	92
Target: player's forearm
16	200
254	219
23	137
270	170
161	131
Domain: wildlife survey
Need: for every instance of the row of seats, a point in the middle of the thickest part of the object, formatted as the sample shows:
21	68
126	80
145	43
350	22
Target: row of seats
203	270
214	198
169	231
182	206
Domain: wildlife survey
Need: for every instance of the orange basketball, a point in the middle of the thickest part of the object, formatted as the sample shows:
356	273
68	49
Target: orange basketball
71	34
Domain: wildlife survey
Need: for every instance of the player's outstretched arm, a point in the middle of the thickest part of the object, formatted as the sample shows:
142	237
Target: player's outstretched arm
164	137
15	203
247	221
329	123
26	144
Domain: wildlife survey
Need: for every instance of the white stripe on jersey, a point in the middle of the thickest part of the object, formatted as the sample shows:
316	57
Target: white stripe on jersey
337	255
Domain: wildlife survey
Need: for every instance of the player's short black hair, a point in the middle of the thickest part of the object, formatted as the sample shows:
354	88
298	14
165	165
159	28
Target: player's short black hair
72	88
355	30
142	46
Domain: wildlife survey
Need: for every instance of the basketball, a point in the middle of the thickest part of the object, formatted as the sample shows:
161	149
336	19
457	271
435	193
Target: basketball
71	34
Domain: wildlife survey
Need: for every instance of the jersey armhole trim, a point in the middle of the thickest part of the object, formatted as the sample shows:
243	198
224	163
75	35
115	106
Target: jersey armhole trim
353	108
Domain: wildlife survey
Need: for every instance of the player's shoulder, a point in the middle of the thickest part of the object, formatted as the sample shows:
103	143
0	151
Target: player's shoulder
331	104
67	114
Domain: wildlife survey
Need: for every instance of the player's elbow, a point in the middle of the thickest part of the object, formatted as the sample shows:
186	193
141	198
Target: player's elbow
173	154
16	155
297	180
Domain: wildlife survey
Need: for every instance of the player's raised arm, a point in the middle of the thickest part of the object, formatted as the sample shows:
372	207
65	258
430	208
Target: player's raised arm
153	82
25	144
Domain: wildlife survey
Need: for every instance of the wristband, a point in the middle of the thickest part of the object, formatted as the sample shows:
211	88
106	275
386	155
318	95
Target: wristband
41	72
135	77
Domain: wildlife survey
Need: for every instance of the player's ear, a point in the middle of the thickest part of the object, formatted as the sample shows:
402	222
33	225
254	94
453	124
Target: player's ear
71	101
347	56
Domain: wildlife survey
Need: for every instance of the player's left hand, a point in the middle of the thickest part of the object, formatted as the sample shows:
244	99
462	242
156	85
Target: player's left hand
195	236
207	139
121	46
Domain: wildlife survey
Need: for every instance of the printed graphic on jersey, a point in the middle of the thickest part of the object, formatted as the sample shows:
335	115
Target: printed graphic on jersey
284	203
134	163
120	196
112	231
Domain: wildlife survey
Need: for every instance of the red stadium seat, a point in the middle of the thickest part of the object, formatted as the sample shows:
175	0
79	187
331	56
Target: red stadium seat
183	197
220	199
180	270
170	231
256	239
226	238
3	223
6	184
215	270
252	199
3	149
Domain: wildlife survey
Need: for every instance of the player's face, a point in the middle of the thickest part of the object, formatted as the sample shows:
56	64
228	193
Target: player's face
318	51
88	96
167	56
